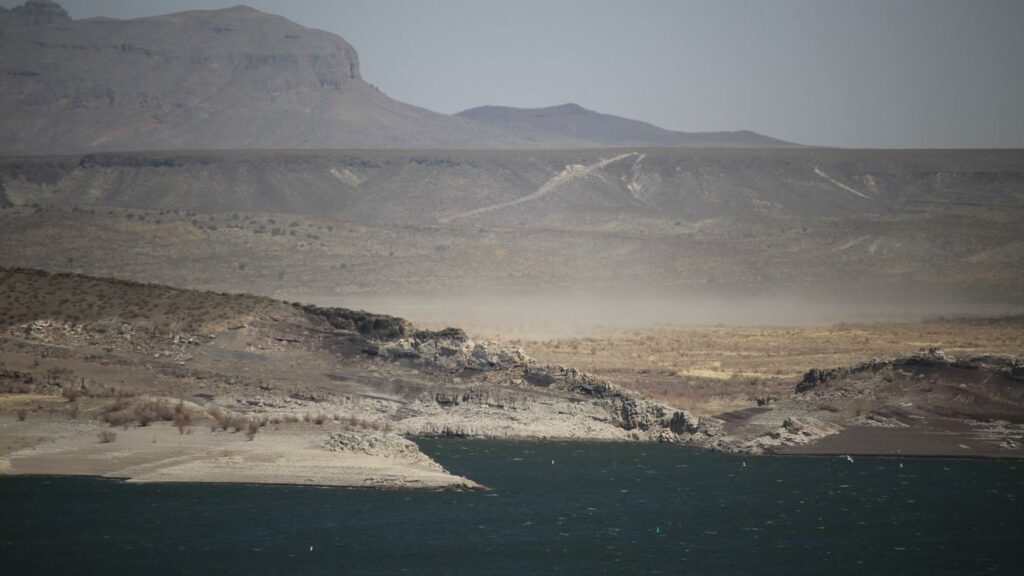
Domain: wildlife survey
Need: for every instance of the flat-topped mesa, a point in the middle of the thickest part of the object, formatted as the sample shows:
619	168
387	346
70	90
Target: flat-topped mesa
34	13
201	79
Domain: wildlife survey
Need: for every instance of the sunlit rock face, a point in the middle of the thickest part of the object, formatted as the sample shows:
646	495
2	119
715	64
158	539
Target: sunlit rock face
233	78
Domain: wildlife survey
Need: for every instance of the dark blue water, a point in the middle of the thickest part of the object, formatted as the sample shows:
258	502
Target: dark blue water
599	509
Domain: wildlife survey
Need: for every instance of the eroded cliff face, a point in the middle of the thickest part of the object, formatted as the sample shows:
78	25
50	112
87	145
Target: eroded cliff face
500	391
34	13
233	78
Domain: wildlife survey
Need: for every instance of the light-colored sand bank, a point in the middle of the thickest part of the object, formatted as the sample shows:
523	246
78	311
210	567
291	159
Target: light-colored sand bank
159	453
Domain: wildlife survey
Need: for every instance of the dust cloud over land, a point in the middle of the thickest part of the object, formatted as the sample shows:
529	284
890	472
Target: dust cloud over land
581	313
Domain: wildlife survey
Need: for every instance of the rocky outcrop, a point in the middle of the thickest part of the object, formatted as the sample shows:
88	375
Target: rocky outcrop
375	326
793	431
569	379
451	350
646	418
373	444
646	415
34	13
1009	366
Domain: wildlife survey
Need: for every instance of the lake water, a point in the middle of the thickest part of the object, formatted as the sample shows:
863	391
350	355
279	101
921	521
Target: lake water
554	508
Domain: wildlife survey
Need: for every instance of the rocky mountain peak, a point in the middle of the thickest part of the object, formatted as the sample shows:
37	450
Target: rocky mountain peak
242	78
34	13
241	8
569	108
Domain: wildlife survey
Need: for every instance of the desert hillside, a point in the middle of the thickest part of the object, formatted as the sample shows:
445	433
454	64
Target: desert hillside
904	227
573	126
83	354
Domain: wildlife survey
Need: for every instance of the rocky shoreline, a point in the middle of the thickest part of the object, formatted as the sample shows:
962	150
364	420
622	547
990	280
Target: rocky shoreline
308	395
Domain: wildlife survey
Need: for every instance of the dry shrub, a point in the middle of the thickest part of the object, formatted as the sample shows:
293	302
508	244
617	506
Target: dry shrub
15	387
254	427
224	420
357	423
56	374
239	422
71	393
106	436
218	419
123	418
183	421
124	412
148	412
109	392
118	413
317	419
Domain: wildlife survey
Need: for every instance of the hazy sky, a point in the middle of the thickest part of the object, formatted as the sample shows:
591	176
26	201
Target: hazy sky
864	73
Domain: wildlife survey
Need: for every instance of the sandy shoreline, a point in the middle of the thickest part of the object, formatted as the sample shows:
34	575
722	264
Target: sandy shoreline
302	455
160	454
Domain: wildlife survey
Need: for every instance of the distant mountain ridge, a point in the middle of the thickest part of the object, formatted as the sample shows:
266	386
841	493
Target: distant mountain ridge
571	125
239	78
233	78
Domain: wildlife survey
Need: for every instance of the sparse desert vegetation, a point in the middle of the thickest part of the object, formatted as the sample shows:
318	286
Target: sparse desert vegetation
937	223
237	370
145	411
27	295
716	368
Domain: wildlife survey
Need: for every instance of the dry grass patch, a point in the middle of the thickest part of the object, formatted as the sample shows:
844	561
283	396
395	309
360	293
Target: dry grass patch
144	411
714	369
27	295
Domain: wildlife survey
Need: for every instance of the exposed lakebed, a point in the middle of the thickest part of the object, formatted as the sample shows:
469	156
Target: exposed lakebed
574	508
